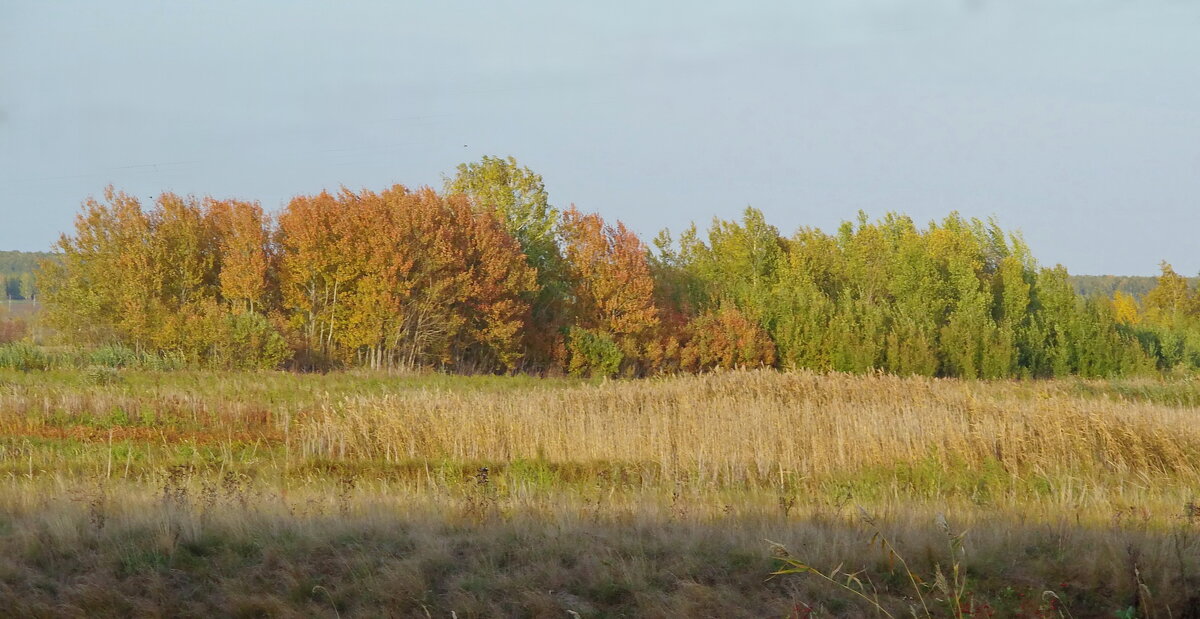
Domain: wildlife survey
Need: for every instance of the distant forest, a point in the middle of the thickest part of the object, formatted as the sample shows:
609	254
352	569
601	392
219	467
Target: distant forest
17	273
486	276
1136	286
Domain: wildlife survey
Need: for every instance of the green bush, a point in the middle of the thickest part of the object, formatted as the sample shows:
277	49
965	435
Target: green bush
249	342
24	357
593	353
102	375
165	361
114	356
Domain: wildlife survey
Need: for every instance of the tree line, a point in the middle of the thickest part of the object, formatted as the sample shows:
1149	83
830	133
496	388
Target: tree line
1137	286
17	282
487	276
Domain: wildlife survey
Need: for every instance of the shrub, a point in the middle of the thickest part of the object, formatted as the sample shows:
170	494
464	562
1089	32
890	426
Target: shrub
593	353
726	339
12	330
23	356
164	361
102	375
249	341
114	356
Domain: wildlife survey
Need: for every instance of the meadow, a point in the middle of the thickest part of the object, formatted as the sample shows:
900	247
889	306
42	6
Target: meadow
191	493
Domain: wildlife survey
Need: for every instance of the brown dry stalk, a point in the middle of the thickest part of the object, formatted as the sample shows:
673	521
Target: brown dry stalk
756	425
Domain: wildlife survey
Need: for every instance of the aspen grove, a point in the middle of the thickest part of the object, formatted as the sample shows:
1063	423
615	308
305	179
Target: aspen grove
486	276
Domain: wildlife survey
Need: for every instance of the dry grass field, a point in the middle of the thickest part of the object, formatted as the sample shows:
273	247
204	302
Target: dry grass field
357	494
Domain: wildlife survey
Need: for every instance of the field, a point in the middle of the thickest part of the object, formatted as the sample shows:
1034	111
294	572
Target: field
188	493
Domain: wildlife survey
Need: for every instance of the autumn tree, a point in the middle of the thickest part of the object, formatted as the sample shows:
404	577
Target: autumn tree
488	277
151	280
612	291
517	197
498	311
1126	309
100	290
311	271
403	278
467	282
244	238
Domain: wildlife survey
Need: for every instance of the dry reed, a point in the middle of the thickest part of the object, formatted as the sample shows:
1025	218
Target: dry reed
757	426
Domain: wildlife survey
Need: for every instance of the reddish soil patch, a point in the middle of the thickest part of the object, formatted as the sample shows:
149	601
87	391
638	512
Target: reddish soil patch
167	435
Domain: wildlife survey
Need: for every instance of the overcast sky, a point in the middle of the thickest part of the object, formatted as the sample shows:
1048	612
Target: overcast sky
1077	122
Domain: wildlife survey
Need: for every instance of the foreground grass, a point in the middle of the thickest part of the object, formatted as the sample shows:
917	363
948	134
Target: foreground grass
193	548
273	494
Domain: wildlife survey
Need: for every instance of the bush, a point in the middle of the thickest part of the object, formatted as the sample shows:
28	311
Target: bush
593	353
114	356
165	361
102	375
249	342
726	339
12	330
23	356
238	341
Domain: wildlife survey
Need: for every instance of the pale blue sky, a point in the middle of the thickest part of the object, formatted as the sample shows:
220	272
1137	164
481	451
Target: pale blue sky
1077	122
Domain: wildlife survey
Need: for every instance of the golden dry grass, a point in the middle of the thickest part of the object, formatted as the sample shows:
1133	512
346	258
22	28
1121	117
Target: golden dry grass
764	427
196	547
189	494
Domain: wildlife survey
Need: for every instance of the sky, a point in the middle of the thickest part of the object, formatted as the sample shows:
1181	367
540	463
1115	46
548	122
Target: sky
1076	122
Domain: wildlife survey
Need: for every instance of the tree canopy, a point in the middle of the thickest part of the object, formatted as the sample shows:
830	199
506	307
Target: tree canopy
487	276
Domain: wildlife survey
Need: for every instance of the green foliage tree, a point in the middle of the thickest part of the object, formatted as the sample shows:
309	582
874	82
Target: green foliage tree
517	196
737	265
1106	286
1169	324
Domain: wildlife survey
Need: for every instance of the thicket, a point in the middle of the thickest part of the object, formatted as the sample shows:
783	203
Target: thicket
12	328
487	276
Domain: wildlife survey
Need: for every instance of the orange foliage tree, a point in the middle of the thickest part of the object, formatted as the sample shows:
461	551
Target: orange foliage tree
612	296
308	238
403	278
244	239
725	339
